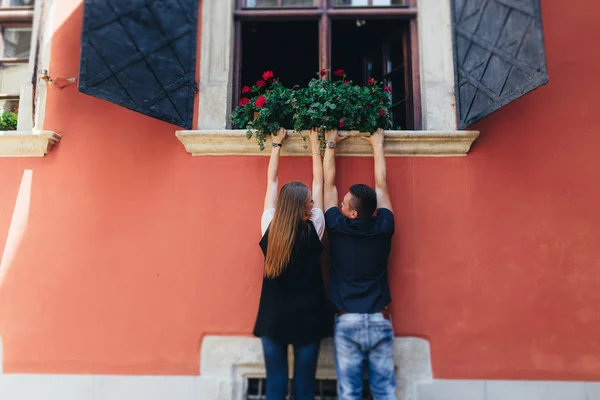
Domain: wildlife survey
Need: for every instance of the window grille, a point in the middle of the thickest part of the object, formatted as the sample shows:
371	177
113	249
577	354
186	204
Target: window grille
325	389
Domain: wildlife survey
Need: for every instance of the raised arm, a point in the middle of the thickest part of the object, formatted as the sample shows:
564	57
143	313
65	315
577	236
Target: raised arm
381	188
330	190
317	163
272	179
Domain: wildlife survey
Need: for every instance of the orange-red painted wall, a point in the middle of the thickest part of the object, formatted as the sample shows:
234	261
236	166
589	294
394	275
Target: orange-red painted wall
135	250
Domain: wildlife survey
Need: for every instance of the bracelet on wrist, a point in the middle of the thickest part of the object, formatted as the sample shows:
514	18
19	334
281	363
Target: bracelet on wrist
276	144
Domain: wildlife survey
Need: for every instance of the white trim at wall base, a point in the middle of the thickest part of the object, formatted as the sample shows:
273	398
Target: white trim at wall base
441	389
227	361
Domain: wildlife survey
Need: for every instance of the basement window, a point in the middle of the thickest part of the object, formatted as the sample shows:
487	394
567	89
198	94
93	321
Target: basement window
325	389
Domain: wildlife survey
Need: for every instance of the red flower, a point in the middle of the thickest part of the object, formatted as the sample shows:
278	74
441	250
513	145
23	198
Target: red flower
342	122
261	83
246	89
346	82
340	72
244	101
323	72
382	112
388	89
371	81
260	101
267	75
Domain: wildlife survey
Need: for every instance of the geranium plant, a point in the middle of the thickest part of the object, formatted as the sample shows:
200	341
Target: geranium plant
325	104
264	108
8	120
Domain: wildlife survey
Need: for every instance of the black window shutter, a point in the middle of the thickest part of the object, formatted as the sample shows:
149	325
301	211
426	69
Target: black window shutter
498	54
141	54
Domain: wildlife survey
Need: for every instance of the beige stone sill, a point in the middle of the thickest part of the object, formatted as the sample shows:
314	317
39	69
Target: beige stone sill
27	143
397	143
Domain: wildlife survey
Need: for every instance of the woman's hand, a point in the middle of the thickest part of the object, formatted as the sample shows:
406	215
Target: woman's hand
279	136
272	180
376	139
313	137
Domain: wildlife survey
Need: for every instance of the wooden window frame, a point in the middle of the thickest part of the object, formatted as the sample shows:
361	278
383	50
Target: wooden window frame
324	11
13	17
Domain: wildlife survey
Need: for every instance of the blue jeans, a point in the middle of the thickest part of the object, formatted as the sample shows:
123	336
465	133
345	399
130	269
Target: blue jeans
305	369
361	339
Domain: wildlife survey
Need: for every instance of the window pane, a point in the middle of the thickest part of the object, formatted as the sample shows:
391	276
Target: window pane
375	49
279	3
16	42
9	105
9	122
365	3
18	3
12	76
288	48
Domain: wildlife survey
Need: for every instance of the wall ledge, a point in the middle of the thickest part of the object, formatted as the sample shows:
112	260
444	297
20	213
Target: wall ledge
397	143
27	143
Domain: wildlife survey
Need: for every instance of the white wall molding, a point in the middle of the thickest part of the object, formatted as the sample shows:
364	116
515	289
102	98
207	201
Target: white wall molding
435	60
1	358
27	144
32	118
441	389
437	65
397	143
30	140
216	55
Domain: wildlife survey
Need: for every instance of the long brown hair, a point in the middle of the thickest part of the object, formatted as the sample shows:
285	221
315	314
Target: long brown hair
289	214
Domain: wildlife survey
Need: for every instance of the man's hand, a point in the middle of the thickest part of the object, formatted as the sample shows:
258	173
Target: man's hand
333	136
375	139
279	136
381	188
331	194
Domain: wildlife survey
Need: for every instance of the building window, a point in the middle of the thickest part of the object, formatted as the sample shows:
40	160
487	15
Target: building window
16	19
325	389
298	38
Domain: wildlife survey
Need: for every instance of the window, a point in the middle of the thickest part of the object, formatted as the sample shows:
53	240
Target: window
325	389
16	18
297	38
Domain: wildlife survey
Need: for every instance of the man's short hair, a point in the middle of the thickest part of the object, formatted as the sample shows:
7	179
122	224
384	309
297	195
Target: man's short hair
364	200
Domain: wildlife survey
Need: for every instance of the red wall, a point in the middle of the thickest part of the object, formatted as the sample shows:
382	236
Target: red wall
135	250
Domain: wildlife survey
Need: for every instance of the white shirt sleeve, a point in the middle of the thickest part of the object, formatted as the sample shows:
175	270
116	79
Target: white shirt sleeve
318	219
266	219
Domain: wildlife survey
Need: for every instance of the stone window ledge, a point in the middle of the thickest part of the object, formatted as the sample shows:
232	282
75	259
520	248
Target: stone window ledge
27	143
397	143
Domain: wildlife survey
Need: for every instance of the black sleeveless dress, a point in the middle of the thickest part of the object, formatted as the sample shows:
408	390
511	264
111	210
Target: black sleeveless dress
293	308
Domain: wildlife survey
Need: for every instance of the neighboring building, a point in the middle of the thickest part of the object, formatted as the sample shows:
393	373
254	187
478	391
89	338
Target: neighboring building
15	42
130	269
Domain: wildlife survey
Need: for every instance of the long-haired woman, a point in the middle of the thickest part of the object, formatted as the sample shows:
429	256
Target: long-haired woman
293	308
